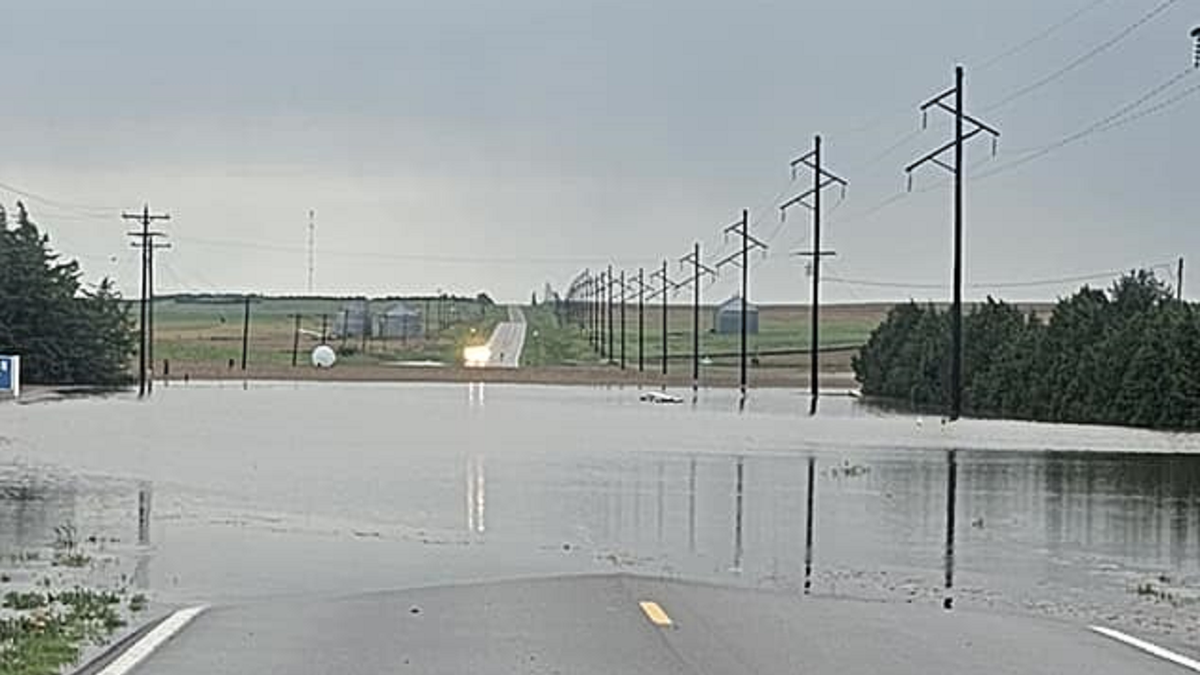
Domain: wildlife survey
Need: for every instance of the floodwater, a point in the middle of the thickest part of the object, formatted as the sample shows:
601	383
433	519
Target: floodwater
222	493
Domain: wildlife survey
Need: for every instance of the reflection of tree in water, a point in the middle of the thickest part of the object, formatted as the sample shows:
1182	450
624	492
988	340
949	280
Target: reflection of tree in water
1144	507
31	507
36	503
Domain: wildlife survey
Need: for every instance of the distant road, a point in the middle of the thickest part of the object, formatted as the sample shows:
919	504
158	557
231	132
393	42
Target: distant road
507	341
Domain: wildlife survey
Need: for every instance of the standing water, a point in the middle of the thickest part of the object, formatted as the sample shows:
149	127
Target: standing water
218	493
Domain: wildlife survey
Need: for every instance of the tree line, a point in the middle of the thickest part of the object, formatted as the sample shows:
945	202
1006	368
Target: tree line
65	332
1127	356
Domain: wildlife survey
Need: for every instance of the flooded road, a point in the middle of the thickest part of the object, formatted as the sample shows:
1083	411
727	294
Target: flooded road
223	494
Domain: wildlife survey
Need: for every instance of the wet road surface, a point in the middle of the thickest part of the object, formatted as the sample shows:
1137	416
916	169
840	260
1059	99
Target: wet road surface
300	495
596	624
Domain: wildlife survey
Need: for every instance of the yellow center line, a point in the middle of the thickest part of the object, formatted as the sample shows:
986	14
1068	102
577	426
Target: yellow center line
655	613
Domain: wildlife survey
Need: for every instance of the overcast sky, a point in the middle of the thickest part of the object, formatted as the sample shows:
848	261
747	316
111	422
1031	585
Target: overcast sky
499	145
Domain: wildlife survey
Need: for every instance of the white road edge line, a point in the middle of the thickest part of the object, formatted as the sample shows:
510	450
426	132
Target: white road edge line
151	641
1148	647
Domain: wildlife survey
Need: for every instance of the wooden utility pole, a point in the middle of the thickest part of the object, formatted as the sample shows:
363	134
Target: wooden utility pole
1179	280
296	340
622	282
146	238
245	331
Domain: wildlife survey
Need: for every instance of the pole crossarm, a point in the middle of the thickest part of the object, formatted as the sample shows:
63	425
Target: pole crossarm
690	259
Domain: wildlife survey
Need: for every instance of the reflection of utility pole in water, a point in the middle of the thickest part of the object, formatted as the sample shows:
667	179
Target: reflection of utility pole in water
661	499
808	525
692	505
476	495
141	570
144	515
737	520
951	493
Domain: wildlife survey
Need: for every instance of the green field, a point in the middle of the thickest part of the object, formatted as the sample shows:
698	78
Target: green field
781	328
209	333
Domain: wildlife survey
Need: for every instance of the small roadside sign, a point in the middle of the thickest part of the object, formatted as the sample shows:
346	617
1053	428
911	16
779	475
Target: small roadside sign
10	375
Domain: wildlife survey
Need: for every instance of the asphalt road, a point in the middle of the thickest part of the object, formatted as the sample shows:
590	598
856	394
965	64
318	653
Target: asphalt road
597	624
507	341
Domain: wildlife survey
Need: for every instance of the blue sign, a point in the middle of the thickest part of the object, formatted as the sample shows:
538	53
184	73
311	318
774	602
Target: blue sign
10	374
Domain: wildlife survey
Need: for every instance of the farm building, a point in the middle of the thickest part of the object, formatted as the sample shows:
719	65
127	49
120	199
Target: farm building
401	321
727	319
352	320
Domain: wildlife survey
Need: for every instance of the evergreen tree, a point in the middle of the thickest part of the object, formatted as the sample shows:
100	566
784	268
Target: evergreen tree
1128	356
65	334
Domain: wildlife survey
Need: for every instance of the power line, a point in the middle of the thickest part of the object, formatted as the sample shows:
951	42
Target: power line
95	209
1071	65
1115	120
989	63
1033	283
1039	36
429	258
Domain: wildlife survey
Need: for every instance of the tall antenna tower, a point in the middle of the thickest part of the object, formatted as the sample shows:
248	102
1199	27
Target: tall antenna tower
312	231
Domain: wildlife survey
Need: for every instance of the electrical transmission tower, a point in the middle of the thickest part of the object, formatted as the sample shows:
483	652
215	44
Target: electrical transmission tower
957	144
821	180
742	228
145	241
699	269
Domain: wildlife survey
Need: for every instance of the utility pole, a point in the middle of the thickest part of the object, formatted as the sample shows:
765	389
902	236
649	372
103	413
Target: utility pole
609	289
1179	280
245	331
960	138
821	180
295	340
623	298
742	227
324	328
593	320
698	269
641	282
154	246
312	232
667	284
146	238
592	311
586	307
601	290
